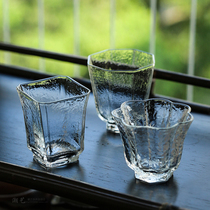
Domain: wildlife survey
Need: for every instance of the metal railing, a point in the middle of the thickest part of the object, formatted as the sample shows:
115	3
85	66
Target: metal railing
189	79
76	41
158	73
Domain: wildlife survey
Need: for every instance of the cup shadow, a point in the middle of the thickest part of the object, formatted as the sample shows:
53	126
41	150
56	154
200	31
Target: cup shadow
161	192
112	139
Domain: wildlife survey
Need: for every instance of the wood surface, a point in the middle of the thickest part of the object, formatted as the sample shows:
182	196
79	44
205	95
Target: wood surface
101	176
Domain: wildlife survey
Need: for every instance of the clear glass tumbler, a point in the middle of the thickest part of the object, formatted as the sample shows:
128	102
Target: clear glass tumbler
153	133
117	76
54	111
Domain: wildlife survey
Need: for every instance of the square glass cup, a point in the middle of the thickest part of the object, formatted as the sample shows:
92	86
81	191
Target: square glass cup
54	112
119	75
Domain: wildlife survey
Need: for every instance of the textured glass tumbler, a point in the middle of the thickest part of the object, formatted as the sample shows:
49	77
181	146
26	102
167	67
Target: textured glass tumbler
117	76
54	111
153	133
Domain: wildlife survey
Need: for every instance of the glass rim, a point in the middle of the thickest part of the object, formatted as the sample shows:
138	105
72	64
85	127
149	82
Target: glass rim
48	78
135	70
155	128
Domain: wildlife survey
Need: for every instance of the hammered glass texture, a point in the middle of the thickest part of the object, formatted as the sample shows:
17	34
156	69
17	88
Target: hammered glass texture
153	133
54	112
117	76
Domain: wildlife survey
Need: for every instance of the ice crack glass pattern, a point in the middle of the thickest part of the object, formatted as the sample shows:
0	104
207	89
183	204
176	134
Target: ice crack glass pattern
117	76
153	133
54	112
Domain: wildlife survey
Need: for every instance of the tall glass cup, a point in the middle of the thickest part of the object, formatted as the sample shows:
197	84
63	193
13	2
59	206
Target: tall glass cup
54	111
119	75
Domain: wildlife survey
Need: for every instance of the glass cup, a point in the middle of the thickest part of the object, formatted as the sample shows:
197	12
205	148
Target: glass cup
117	76
54	111
153	133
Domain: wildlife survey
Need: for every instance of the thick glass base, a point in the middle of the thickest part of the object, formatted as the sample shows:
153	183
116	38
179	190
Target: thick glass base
150	177
112	127
56	161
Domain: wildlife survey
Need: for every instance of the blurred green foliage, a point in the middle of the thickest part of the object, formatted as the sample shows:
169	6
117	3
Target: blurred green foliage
132	30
